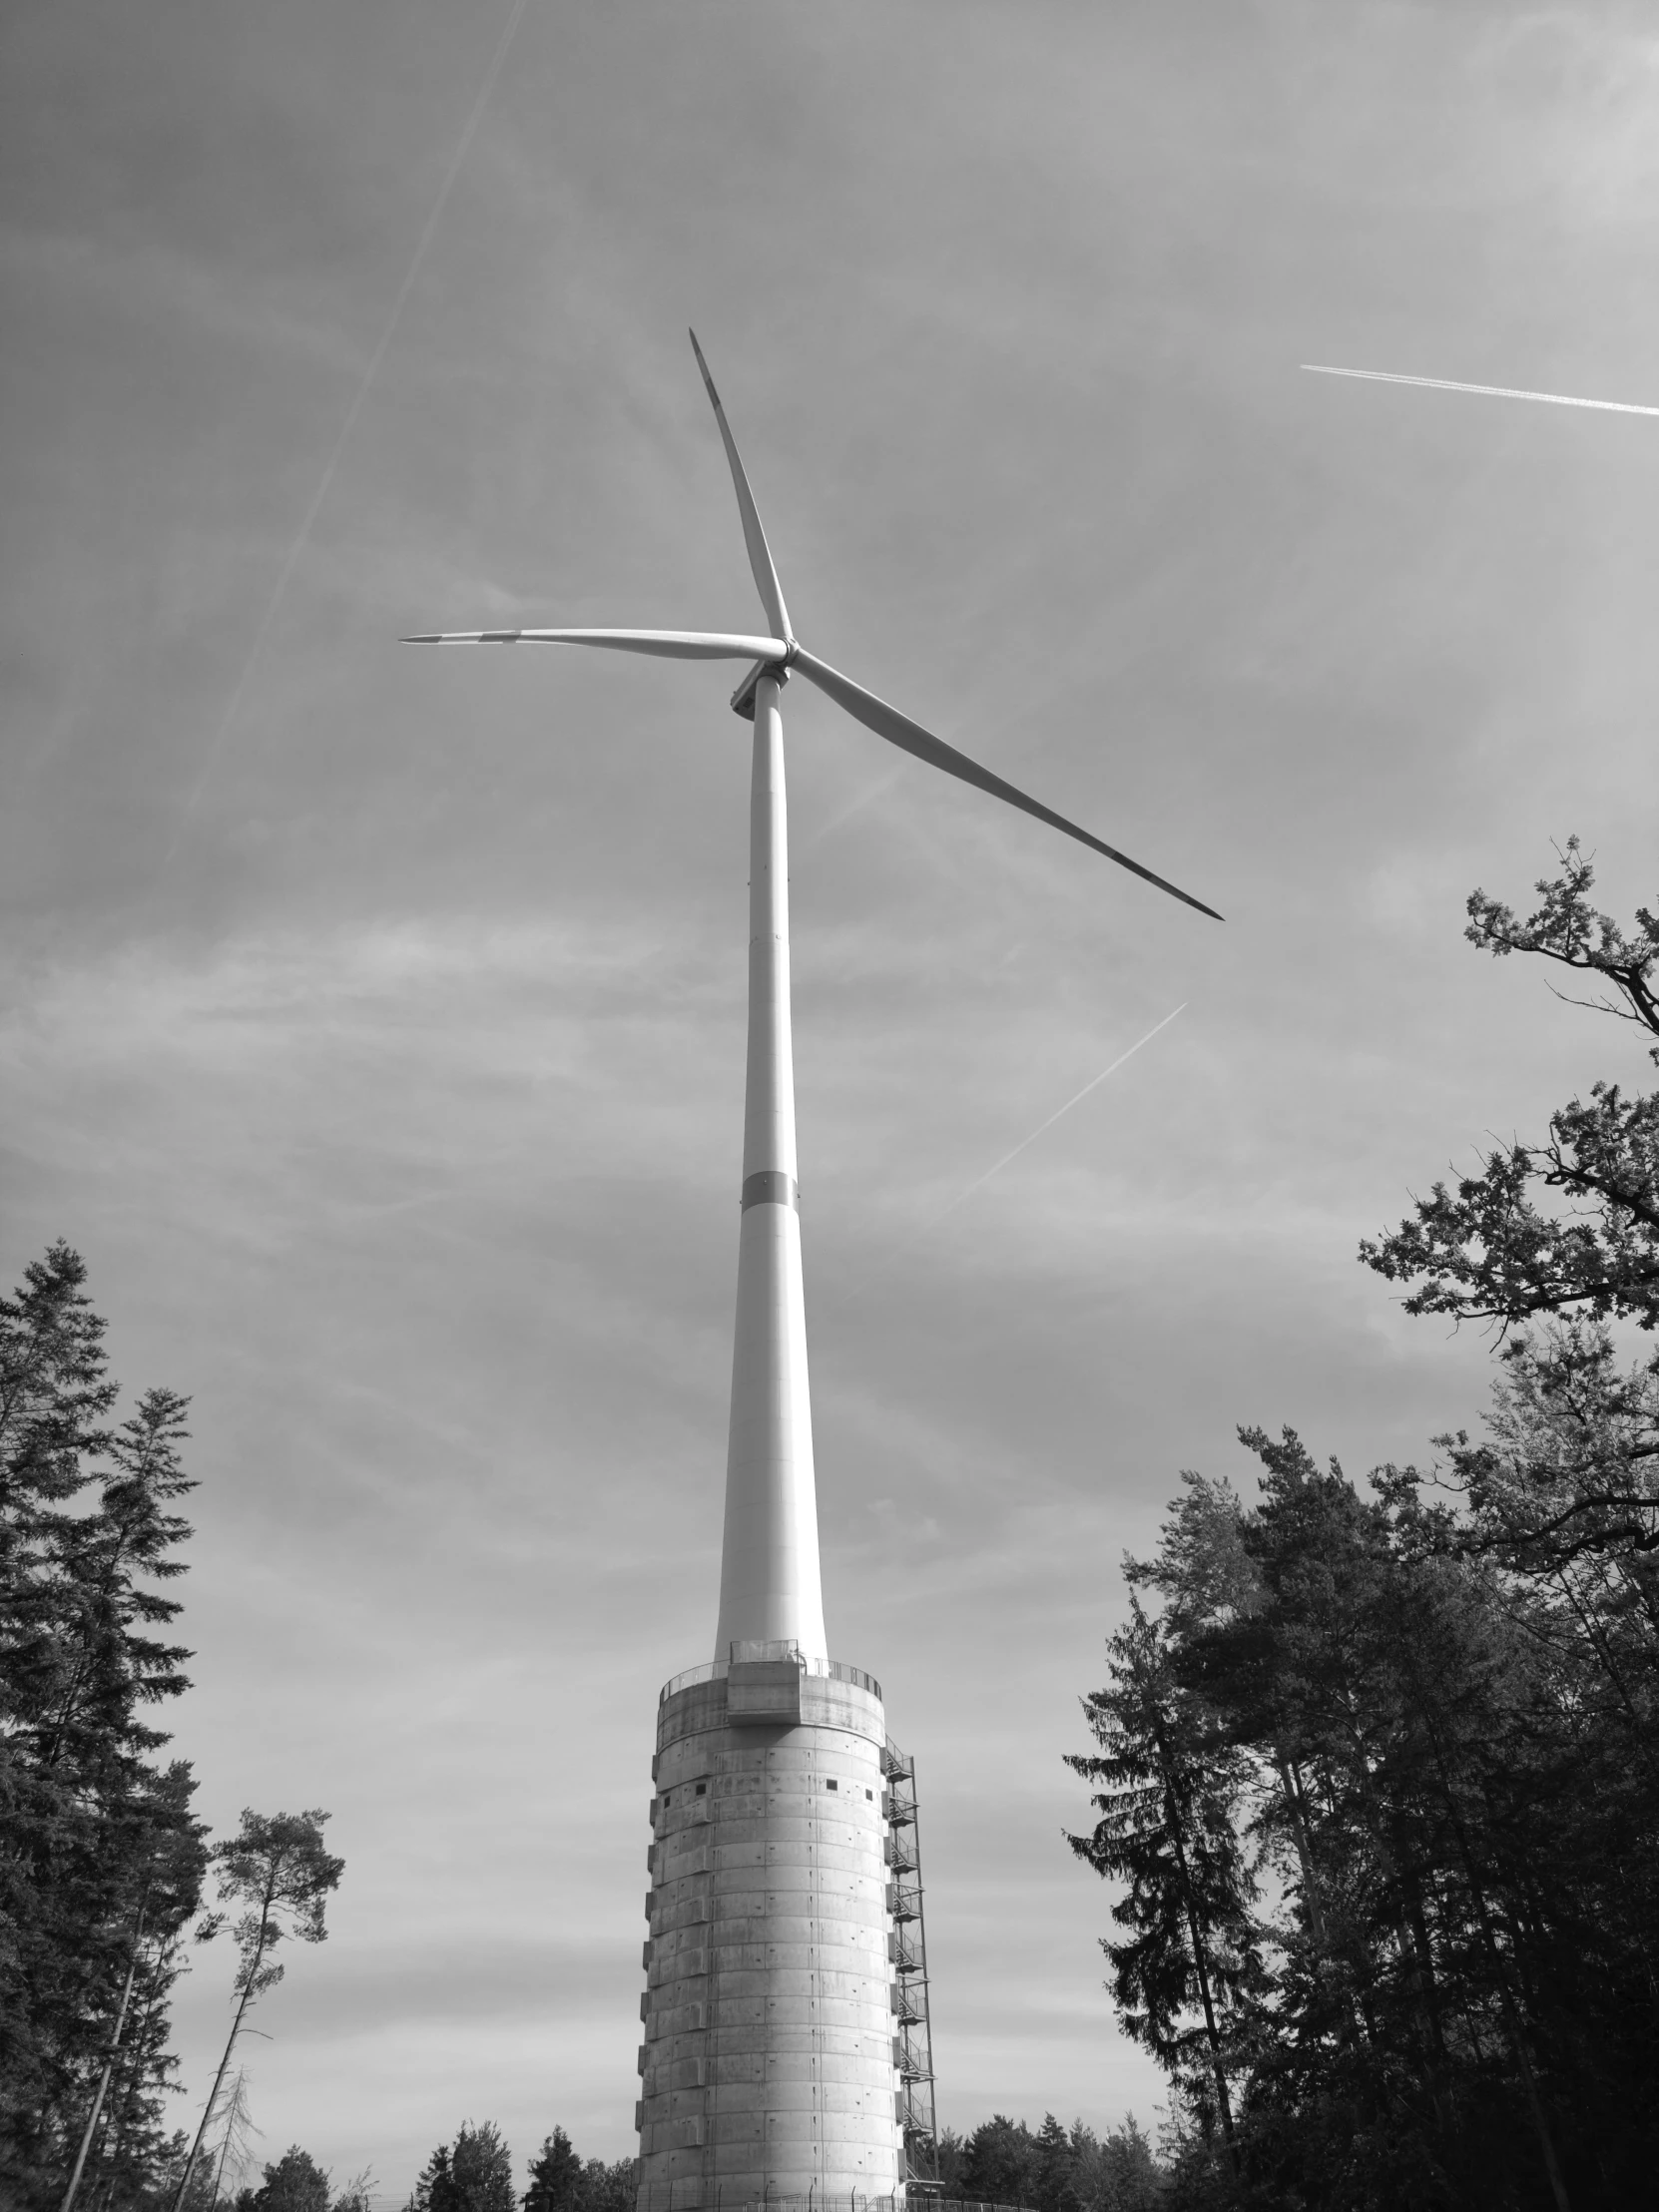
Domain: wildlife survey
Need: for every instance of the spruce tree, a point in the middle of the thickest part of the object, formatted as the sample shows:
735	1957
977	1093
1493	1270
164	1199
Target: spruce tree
555	2176
999	2162
104	1855
1053	2185
294	2183
434	2189
1170	1825
482	2167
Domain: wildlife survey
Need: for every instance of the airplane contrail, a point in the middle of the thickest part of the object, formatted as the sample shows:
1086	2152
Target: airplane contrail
285	575
1093	1085
842	814
1486	392
979	1183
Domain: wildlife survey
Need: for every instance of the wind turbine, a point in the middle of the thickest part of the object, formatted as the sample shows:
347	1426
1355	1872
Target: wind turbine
770	2065
770	1589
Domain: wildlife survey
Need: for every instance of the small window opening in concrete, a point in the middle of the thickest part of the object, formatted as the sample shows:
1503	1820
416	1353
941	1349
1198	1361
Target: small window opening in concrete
701	1789
832	1785
667	1794
870	1797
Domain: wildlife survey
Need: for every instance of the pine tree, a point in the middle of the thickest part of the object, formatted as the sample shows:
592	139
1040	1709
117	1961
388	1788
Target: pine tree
276	1867
1119	2174
555	2176
612	2187
55	1394
294	2183
1053	2187
104	1856
434	2190
475	2174
1453	2000
1170	1827
999	2162
1504	1247
1134	2179
482	2170
132	2149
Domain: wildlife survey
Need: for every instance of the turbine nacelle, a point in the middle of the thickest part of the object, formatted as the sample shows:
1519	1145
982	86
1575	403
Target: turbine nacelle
780	654
742	699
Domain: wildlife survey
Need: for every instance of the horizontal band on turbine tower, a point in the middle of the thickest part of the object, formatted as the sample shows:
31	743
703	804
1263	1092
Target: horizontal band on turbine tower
771	1188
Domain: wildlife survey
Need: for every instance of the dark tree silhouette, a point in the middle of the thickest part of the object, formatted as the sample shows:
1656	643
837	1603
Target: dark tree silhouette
1571	1225
103	1856
277	1868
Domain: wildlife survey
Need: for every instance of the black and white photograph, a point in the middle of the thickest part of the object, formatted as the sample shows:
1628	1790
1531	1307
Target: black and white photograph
828	1123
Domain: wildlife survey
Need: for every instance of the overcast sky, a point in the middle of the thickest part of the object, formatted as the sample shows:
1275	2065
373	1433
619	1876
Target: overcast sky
374	1017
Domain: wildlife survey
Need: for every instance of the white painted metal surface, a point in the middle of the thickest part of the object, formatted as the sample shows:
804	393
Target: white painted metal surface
666	645
770	1588
769	2066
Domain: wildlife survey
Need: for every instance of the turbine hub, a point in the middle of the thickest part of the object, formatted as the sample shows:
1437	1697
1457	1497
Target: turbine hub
742	699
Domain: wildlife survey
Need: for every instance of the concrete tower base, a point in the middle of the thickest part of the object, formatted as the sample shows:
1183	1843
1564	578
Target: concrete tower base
769	2055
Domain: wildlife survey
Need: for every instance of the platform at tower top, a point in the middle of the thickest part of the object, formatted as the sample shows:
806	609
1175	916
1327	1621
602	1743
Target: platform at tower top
770	1686
914	2199
748	1655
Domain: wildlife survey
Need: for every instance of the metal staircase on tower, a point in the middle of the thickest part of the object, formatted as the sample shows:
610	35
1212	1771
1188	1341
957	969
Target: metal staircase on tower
908	1951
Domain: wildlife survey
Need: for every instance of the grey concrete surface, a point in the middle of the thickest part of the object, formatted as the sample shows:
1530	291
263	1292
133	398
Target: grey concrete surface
768	2054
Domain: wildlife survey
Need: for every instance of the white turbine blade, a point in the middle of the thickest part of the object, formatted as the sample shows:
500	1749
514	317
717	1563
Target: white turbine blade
672	645
911	737
759	553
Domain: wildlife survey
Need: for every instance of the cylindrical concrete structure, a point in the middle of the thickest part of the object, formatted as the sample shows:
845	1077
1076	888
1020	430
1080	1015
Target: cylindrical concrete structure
768	2058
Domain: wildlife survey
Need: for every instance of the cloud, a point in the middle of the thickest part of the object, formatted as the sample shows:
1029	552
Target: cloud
397	1112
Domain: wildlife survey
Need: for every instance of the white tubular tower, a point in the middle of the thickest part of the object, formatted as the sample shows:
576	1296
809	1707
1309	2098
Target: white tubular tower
769	2072
784	2054
770	1588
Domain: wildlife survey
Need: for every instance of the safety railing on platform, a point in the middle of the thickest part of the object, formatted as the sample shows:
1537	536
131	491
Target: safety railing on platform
715	1670
700	2196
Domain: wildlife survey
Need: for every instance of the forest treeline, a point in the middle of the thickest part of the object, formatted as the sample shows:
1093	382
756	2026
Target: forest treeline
474	2174
1052	2168
103	1861
1004	2161
1377	1763
1375	1772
